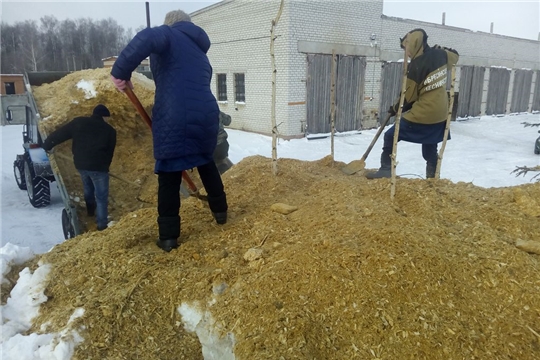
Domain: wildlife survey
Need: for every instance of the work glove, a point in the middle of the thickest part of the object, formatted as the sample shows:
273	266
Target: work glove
121	84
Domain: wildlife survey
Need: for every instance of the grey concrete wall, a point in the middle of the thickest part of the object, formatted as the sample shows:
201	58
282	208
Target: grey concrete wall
475	47
14	103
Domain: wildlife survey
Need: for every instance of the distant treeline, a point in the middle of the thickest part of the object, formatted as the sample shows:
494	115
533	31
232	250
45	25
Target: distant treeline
53	45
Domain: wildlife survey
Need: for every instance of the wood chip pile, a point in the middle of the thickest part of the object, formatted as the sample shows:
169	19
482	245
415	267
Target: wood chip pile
313	264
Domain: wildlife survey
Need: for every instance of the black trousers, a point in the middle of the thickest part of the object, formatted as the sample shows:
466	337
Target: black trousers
169	198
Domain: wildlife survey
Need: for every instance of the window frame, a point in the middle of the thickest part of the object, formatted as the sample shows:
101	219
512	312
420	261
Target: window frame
221	87
11	86
240	88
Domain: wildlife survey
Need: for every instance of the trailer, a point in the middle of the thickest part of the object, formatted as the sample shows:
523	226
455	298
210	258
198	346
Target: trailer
34	170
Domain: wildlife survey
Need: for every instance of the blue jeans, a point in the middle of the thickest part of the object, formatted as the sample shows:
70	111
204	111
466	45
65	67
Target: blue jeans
96	193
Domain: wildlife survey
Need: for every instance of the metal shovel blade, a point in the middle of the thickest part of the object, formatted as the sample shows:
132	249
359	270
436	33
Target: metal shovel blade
353	167
356	165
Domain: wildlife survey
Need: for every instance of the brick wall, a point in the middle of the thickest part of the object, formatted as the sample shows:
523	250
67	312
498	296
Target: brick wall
15	80
240	35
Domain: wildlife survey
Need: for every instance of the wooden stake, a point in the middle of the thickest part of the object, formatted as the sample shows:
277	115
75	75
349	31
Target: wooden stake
396	125
273	110
333	104
448	120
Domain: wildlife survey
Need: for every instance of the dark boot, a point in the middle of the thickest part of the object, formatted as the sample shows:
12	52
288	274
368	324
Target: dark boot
384	171
430	170
429	153
218	206
221	217
169	232
168	244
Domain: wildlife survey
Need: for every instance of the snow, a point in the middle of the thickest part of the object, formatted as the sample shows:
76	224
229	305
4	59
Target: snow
88	88
483	151
213	347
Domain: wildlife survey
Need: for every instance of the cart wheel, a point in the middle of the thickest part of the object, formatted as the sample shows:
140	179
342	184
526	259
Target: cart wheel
67	227
18	171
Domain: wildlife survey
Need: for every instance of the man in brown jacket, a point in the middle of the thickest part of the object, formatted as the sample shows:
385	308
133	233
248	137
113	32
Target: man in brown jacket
425	107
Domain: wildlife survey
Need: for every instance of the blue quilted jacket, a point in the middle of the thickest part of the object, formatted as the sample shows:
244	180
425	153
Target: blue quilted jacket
185	116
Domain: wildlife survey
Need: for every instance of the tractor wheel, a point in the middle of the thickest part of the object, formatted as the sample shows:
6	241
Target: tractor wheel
39	191
18	171
67	227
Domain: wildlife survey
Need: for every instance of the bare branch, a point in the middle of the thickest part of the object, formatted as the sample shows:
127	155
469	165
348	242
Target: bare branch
523	170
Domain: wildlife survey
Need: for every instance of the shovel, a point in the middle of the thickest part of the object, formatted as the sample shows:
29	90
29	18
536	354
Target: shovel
356	165
193	191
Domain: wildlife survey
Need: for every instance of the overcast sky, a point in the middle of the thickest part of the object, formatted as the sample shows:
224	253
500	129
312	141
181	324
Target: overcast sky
512	18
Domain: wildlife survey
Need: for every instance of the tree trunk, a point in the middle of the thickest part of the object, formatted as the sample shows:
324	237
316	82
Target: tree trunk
273	111
396	125
448	120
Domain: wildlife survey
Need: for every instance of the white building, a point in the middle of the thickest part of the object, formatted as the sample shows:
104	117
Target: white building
492	68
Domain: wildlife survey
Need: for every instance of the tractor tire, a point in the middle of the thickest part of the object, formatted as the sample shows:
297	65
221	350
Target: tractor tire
38	188
18	171
67	227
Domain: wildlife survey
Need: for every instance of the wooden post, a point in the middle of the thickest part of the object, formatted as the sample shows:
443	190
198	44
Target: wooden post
333	104
273	110
448	120
396	124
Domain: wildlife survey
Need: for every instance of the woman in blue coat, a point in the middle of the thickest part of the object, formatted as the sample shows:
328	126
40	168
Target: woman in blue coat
185	116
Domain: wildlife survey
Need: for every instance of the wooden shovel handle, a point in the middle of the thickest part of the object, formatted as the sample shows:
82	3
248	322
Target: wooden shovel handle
140	109
381	128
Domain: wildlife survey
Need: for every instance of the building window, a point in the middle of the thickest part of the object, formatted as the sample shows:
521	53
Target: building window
222	87
239	88
10	88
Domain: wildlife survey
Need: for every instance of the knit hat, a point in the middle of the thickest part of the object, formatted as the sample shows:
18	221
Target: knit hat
101	110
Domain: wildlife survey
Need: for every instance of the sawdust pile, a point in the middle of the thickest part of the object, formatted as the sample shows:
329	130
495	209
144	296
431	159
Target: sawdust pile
346	274
133	184
433	275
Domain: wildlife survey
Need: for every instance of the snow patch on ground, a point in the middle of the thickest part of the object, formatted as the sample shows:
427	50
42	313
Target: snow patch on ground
12	255
22	306
202	323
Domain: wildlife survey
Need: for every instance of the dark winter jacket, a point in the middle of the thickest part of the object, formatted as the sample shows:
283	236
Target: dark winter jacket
93	142
224	120
426	99
185	113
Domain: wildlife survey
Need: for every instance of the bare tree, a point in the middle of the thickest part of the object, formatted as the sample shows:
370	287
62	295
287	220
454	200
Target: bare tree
32	51
60	45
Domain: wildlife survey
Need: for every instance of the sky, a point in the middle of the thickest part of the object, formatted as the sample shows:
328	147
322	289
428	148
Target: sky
511	18
483	151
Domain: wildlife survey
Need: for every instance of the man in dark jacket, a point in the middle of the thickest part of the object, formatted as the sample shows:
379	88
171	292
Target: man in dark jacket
425	108
93	148
185	114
